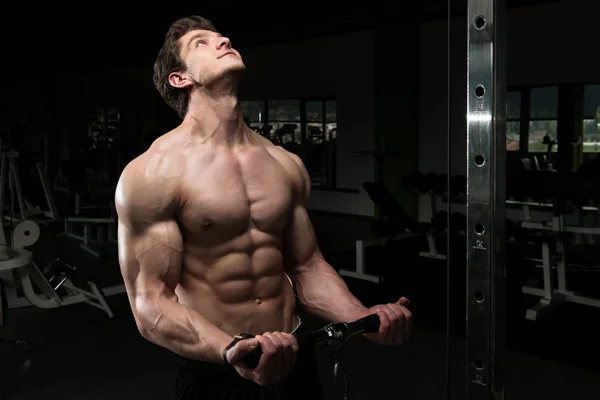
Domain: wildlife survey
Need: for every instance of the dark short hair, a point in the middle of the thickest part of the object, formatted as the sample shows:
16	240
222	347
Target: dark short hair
169	60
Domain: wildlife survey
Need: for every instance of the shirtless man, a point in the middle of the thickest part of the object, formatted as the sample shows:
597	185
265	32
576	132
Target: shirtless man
212	222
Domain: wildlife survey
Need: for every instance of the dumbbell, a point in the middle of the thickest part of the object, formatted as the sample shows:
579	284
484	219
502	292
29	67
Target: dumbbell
411	182
57	272
458	185
439	221
437	183
458	222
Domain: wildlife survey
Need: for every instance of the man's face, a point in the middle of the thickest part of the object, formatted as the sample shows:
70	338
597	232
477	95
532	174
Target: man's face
208	57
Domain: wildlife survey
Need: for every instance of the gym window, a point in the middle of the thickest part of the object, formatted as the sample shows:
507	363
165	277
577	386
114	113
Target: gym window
591	136
513	120
531	115
543	118
306	127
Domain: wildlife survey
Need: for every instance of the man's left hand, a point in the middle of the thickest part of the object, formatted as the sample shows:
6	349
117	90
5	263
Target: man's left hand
395	322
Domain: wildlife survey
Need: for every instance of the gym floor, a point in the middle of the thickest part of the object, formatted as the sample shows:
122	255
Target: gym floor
80	353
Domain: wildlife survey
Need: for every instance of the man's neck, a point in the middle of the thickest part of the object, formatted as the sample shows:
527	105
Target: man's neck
216	118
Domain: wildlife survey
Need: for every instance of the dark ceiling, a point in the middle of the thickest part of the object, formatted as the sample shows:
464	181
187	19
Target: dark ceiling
61	39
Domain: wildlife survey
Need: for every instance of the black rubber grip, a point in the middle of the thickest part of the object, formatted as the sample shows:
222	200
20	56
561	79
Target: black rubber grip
371	323
252	359
367	324
303	339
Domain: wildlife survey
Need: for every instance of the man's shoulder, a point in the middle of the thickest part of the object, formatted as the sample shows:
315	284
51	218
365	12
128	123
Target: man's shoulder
151	177
154	164
281	154
294	165
148	186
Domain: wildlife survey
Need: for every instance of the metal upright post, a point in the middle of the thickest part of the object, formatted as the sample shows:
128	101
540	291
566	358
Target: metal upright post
486	181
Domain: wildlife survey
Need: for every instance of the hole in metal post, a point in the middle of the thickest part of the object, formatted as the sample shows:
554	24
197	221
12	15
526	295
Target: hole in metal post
479	91
479	160
479	229
477	363
480	22
479	297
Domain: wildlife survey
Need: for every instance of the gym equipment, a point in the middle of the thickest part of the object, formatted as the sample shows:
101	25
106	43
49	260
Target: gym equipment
425	183
439	221
332	335
554	253
485	198
285	134
545	163
413	182
555	238
9	174
458	185
104	226
21	275
458	223
400	226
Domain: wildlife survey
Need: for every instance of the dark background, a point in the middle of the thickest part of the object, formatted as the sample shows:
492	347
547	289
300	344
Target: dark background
384	66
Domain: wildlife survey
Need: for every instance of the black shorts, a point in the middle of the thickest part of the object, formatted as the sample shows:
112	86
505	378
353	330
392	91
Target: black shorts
203	380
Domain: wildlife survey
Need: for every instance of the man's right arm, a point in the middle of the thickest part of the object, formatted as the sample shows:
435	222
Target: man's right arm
150	256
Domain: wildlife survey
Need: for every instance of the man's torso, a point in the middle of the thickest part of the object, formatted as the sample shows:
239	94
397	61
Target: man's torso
233	208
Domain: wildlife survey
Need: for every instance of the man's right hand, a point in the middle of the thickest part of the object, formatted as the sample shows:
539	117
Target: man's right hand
280	353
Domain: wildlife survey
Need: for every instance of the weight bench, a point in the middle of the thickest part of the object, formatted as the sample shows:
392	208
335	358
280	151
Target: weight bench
400	224
554	290
93	231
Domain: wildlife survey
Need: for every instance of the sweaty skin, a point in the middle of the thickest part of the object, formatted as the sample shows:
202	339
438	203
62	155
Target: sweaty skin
207	234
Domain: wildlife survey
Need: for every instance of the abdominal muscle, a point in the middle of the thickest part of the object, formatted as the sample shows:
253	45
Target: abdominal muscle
239	291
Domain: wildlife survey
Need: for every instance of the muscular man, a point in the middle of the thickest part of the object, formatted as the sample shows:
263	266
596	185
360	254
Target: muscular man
212	222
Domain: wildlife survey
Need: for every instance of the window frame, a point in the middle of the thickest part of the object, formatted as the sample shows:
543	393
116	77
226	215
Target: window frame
525	116
303	126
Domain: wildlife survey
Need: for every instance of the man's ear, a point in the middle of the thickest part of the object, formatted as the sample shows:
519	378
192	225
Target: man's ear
180	80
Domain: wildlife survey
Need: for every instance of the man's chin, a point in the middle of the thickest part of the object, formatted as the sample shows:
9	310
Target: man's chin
230	77
235	72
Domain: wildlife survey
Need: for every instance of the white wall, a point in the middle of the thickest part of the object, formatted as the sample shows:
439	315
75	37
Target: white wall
549	43
341	66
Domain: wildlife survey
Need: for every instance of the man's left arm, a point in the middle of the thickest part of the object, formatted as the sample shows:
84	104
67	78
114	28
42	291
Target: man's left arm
318	285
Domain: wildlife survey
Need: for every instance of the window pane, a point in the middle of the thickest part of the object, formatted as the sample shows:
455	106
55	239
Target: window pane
537	131
314	111
591	100
589	126
544	102
287	132
513	105
331	111
591	136
513	135
284	110
253	110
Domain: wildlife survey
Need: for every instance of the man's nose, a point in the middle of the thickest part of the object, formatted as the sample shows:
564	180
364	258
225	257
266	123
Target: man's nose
224	42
